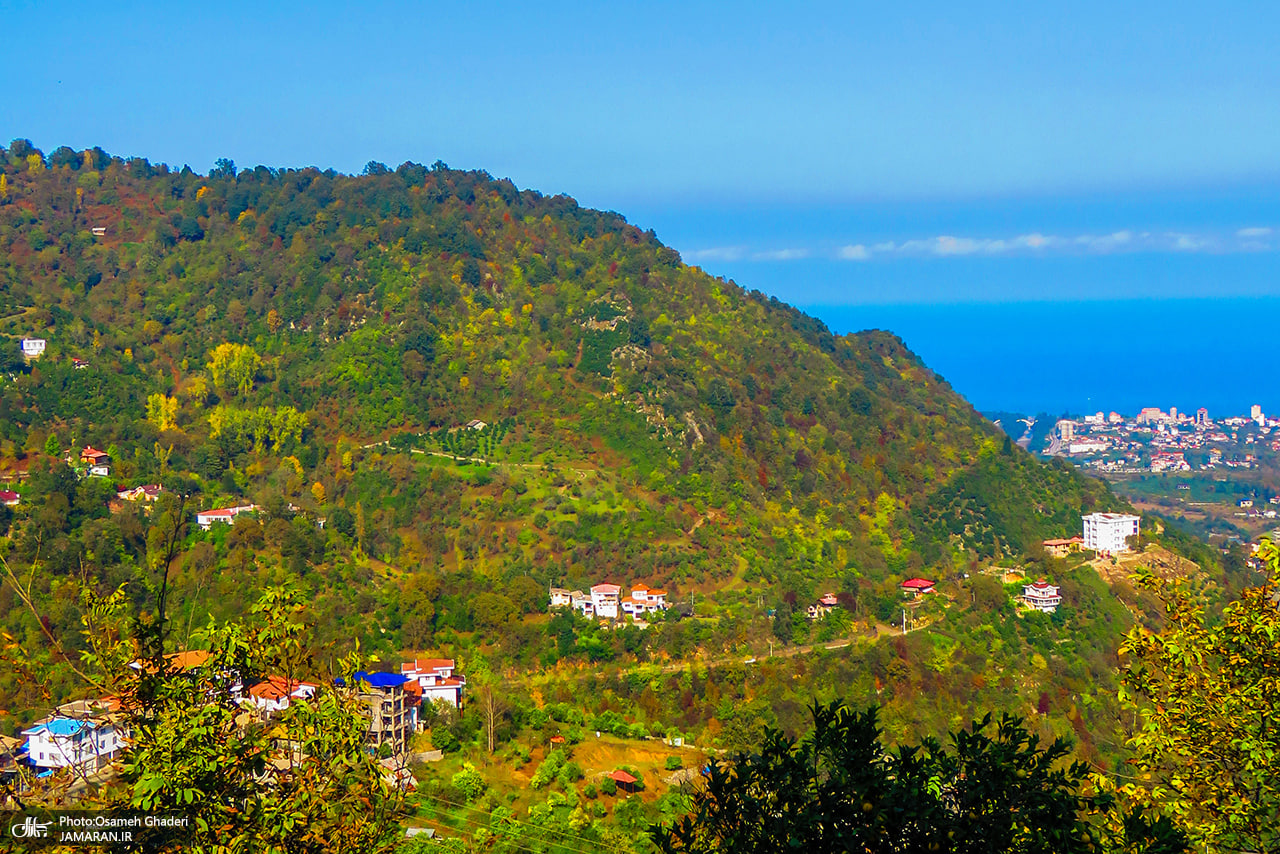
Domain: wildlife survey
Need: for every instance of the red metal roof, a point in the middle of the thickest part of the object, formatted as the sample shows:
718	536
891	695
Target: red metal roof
917	583
621	777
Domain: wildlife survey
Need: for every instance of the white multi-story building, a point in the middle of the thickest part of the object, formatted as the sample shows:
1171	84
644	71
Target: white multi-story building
436	679
1042	596
1108	533
604	598
33	348
62	741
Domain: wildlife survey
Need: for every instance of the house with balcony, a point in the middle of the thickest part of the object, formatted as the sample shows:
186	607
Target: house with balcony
1042	596
84	735
604	600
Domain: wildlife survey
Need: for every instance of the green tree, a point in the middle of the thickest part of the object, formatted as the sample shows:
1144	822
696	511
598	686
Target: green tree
52	446
1208	699
840	790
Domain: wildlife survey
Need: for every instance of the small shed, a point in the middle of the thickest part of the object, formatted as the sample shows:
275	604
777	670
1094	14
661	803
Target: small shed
625	781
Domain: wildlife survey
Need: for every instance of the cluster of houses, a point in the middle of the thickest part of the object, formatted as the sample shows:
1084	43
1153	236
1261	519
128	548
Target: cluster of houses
605	601
89	735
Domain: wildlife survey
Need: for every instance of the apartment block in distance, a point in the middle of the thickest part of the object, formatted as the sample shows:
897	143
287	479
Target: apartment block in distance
1108	533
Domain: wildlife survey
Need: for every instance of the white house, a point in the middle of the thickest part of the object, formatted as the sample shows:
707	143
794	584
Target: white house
604	598
274	693
146	492
436	679
1107	533
61	741
644	600
580	601
1042	596
33	348
206	519
561	598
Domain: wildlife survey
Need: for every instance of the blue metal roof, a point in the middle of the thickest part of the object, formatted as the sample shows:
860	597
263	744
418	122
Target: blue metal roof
382	680
59	726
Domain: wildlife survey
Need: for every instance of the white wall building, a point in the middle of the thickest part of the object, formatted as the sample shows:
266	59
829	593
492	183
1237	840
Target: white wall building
206	519
33	348
436	679
1107	533
1042	596
604	597
60	741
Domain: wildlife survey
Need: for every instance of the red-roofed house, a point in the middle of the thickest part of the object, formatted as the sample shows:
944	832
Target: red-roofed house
206	519
435	680
822	607
604	598
917	587
8	498
1042	596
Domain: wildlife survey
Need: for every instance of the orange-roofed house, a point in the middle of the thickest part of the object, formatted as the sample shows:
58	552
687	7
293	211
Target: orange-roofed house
1063	547
93	457
644	600
274	693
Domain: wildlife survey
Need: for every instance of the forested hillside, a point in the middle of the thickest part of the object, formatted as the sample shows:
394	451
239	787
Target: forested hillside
318	343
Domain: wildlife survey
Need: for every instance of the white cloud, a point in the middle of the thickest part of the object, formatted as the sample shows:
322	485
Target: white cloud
853	252
715	253
1030	244
781	255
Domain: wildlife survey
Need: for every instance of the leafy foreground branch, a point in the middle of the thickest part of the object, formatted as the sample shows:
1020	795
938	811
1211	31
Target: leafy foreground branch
1207	696
300	782
840	790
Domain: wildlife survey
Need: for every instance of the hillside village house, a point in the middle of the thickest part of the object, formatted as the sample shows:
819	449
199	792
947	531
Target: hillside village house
604	598
1061	547
148	492
1042	596
82	734
917	587
206	519
273	694
91	456
1108	533
644	600
9	498
435	680
822	607
33	348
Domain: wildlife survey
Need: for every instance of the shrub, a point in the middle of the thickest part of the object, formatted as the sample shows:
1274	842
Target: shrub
674	763
590	791
608	787
469	782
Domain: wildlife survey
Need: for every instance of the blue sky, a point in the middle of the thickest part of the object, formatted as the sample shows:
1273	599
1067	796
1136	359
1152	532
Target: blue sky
829	153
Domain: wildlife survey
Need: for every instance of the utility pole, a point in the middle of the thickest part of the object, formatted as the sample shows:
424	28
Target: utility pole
904	621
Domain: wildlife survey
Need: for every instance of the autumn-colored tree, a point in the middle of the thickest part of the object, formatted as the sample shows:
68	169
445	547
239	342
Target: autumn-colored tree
1207	696
234	368
162	411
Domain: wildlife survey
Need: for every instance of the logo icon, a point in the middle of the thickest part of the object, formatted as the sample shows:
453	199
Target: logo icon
30	828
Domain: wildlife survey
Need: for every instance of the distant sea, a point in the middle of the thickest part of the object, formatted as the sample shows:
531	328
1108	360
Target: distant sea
1082	357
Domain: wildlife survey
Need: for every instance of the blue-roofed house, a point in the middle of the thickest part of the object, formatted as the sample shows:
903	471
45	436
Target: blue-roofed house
391	719
61	741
